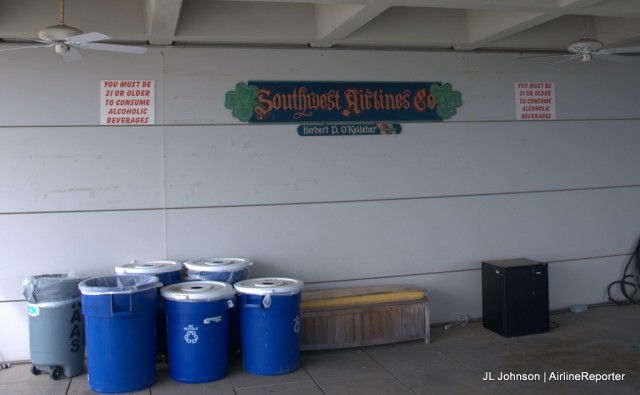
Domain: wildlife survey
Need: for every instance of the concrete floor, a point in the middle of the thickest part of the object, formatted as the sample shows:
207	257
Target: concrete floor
602	340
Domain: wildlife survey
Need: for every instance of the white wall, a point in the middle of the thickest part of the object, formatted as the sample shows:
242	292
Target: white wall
423	207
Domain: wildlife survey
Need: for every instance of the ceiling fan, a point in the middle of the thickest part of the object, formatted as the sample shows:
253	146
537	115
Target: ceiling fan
65	39
587	49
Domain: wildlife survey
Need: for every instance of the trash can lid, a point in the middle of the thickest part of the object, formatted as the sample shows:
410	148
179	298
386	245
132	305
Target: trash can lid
151	267
218	264
119	284
269	285
198	291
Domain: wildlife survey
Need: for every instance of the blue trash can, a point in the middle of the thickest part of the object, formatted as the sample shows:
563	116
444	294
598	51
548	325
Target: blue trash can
229	270
120	324
168	272
198	329
270	324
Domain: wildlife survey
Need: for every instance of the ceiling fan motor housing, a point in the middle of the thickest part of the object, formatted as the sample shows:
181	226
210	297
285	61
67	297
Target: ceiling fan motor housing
585	45
58	33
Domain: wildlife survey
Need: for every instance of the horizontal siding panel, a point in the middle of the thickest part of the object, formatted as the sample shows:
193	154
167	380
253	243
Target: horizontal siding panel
229	165
75	169
333	242
86	243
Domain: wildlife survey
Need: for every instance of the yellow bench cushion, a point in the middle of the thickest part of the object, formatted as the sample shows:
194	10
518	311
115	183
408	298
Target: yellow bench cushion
360	296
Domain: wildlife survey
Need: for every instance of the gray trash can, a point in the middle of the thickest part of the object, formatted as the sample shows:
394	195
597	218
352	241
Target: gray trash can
56	329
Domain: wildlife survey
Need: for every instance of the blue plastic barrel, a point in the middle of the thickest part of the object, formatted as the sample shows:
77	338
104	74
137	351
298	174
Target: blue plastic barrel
229	270
168	272
270	324
120	324
198	329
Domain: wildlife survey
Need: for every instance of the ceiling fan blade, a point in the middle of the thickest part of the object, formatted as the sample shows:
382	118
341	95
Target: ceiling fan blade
621	50
543	56
13	39
612	58
114	48
568	58
86	38
30	46
71	55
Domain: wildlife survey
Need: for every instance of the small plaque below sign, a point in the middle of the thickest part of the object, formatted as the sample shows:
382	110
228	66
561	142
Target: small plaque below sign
359	129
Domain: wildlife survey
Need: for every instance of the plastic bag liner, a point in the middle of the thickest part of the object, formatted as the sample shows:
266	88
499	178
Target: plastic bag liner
121	284
51	288
228	270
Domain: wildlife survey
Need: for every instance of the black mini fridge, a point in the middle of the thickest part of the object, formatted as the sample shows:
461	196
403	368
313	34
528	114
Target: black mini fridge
515	297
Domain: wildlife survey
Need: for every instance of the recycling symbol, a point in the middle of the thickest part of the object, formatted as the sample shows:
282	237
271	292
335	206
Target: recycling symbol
296	324
191	337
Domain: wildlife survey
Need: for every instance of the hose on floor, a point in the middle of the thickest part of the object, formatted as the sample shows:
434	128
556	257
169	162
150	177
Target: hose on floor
629	279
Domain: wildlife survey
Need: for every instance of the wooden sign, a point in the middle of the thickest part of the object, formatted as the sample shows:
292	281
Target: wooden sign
337	102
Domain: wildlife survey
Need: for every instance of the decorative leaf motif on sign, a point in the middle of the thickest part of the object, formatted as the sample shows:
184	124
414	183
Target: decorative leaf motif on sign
448	100
242	101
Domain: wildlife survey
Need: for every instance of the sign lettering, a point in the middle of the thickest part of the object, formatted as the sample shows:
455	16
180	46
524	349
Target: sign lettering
127	102
535	101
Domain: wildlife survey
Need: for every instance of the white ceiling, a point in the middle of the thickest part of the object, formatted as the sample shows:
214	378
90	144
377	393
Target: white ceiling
520	25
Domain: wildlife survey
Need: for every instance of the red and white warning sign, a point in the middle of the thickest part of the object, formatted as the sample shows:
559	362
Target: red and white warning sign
127	102
535	101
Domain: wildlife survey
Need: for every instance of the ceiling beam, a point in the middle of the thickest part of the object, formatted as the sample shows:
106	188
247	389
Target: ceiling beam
488	28
335	22
162	20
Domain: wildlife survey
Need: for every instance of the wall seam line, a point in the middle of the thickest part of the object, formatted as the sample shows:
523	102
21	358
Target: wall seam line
325	202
